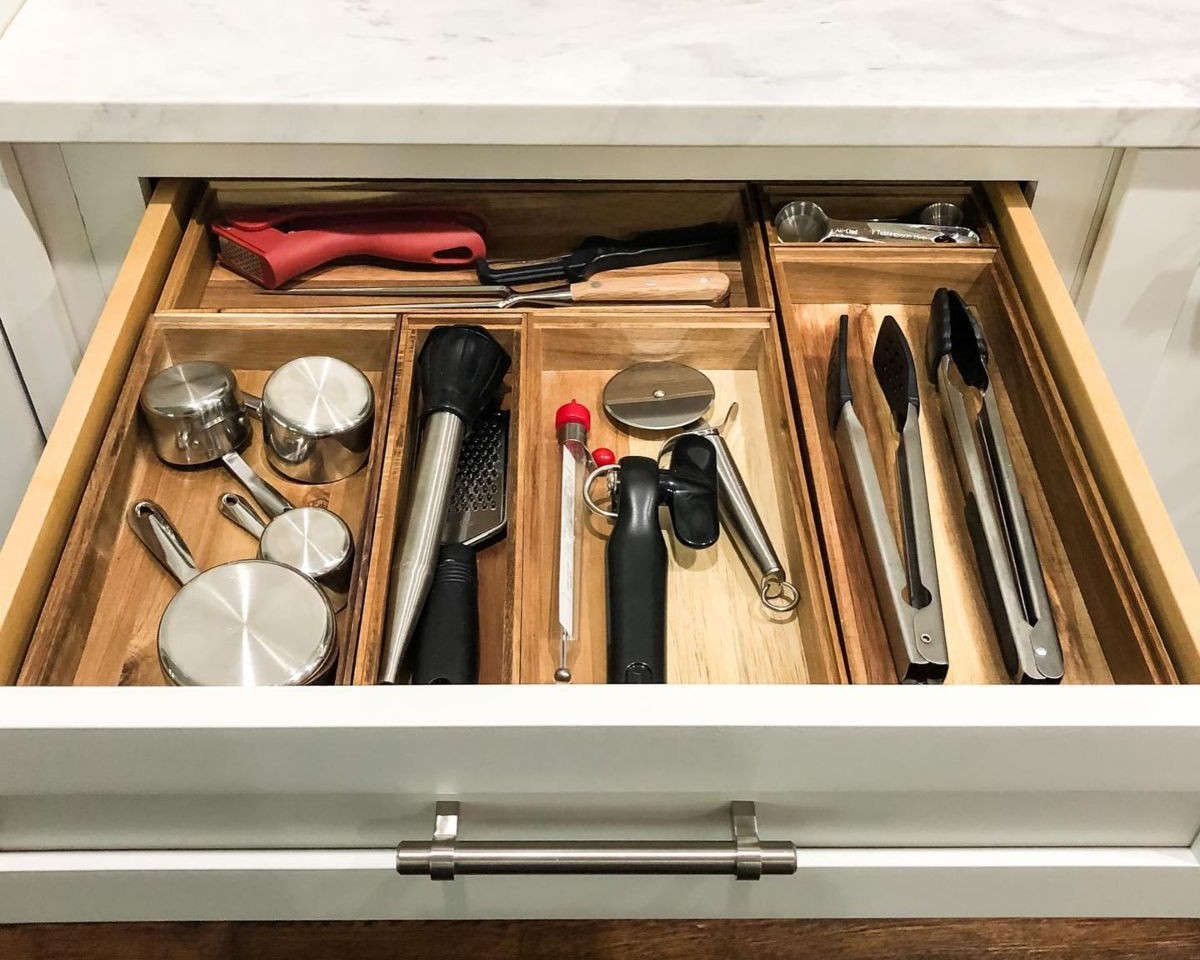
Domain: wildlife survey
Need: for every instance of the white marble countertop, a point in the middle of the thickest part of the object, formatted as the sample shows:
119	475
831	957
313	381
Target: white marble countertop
620	72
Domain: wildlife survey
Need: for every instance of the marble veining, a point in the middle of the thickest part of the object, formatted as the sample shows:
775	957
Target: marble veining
620	72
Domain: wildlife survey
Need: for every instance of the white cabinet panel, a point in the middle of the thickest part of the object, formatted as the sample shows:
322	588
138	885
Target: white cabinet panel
31	308
1167	429
1141	304
20	439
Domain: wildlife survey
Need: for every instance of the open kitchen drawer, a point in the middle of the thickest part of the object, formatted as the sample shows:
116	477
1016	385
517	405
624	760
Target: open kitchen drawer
968	799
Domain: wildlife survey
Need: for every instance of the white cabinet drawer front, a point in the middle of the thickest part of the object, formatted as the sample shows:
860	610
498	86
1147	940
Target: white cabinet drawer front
829	766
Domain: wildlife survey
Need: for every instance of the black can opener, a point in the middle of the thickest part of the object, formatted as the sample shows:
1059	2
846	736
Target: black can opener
597	254
636	556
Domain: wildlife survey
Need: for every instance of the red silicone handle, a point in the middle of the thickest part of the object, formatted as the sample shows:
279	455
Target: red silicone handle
307	218
285	254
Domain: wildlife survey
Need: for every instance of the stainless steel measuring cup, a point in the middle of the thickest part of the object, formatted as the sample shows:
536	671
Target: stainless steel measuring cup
196	416
803	221
246	623
317	415
313	540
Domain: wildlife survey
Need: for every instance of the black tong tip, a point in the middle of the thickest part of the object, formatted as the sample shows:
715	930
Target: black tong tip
895	371
954	331
837	381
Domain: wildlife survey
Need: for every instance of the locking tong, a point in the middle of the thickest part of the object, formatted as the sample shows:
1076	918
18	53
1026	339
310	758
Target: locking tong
907	590
957	356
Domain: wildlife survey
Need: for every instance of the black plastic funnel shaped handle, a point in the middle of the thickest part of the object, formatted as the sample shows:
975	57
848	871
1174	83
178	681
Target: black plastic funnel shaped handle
459	370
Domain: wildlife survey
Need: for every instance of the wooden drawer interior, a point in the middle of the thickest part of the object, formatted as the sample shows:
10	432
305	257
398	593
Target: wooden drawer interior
873	201
499	563
99	621
523	222
1104	624
717	630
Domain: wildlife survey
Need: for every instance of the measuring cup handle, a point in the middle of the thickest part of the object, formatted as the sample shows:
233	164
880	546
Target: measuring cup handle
238	510
150	524
265	495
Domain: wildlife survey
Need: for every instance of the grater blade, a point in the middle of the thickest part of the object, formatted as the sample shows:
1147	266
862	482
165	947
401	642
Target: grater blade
478	507
240	260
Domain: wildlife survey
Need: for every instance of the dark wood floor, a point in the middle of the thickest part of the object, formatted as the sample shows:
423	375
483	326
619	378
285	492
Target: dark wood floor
612	940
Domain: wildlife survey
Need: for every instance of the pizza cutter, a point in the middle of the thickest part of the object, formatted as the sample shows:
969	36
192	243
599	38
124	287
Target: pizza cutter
665	395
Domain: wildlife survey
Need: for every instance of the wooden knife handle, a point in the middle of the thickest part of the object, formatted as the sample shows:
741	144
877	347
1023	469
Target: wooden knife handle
621	287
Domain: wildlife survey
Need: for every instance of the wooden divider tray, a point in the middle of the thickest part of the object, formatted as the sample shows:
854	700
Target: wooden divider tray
873	201
498	564
524	221
100	622
1107	631
717	629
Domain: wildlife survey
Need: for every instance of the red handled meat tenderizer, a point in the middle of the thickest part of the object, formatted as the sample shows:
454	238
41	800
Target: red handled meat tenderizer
271	247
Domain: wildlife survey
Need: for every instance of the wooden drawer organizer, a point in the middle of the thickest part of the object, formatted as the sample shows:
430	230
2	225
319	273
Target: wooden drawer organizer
98	623
1104	622
524	222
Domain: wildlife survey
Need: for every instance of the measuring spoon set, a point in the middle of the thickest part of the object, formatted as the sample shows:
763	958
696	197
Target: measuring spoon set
803	221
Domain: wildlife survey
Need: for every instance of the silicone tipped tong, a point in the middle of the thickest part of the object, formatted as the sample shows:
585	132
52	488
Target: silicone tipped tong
957	357
906	588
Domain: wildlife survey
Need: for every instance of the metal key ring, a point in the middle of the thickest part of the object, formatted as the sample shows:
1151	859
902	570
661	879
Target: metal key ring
587	490
782	598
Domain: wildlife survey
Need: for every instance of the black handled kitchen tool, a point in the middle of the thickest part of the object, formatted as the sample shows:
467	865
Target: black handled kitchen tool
907	589
596	254
664	395
445	646
636	556
957	356
459	369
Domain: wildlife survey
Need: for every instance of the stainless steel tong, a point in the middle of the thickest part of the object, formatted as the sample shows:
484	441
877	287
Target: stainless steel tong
957	356
906	588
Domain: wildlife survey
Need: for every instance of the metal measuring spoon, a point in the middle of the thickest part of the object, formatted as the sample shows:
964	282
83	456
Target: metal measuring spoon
803	221
941	214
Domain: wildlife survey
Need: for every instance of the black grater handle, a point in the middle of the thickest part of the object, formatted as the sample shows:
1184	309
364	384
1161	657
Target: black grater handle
445	646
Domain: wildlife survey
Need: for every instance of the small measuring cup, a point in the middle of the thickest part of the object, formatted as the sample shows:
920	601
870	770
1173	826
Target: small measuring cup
196	415
803	221
244	623
313	540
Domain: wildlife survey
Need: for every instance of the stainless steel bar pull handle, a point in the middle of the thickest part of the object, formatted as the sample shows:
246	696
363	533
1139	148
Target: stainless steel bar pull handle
743	856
